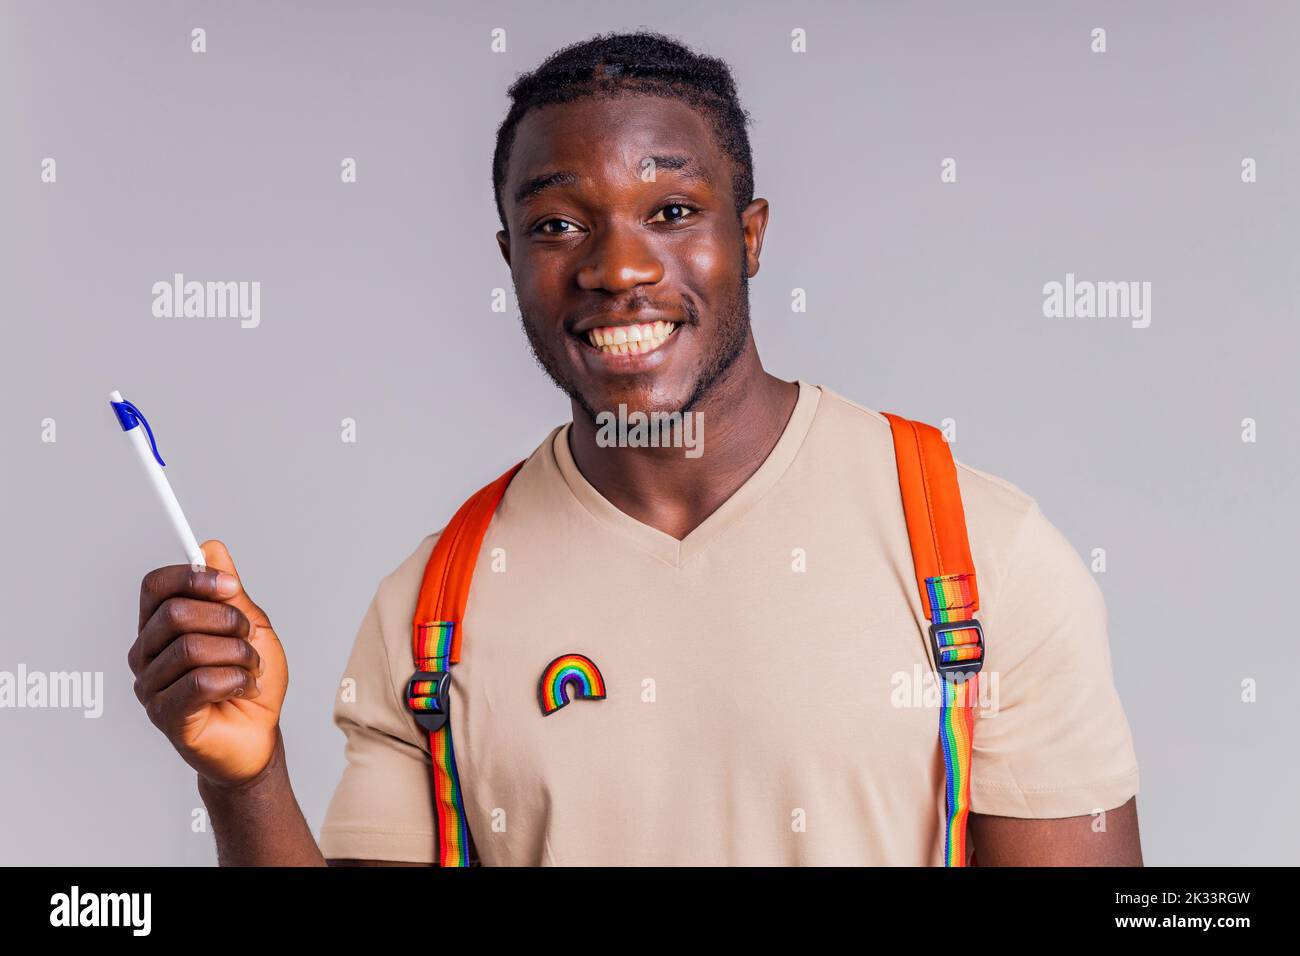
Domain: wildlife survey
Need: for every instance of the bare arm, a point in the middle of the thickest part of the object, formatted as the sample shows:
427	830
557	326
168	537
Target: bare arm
1068	841
211	675
258	822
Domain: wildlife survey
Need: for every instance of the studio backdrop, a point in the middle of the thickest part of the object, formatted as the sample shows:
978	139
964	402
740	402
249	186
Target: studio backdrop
944	180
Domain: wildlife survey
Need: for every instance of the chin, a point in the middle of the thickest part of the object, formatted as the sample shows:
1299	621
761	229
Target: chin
638	396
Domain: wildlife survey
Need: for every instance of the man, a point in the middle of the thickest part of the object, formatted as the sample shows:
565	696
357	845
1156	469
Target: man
751	607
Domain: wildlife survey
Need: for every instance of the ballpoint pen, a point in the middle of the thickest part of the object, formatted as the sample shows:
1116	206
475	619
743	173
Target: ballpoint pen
131	418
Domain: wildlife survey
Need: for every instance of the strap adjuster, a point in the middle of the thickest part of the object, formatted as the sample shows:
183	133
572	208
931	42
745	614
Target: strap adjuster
953	659
429	703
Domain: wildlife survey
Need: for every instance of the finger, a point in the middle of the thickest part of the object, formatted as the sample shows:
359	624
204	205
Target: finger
179	615
197	689
179	580
218	557
189	651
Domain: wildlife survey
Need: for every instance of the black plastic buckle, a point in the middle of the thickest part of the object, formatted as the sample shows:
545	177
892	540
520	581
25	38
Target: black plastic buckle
431	720
957	672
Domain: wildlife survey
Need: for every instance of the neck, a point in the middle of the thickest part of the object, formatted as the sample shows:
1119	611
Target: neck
742	417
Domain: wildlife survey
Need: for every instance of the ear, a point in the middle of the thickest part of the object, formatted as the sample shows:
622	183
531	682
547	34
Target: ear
503	240
753	225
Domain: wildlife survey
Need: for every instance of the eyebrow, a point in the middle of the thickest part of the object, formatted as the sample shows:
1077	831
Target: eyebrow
685	165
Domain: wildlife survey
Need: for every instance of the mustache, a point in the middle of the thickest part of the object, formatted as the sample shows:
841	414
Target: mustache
641	303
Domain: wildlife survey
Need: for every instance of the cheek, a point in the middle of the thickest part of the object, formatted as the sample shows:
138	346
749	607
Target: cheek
539	284
710	270
706	265
532	293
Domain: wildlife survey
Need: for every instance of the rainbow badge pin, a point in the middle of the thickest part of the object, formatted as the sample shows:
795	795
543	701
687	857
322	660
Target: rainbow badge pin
569	677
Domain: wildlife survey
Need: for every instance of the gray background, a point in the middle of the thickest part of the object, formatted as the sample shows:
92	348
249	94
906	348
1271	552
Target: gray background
924	299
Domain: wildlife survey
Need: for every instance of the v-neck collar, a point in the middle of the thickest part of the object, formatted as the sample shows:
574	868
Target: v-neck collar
663	545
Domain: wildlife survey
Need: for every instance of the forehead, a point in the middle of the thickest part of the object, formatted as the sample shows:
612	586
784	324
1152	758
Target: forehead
608	139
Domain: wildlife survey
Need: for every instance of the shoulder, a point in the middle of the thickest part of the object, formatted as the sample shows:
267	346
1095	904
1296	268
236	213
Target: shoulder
399	588
1003	521
383	648
986	491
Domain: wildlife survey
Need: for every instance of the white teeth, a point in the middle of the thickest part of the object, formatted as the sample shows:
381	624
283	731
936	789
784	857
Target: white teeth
631	339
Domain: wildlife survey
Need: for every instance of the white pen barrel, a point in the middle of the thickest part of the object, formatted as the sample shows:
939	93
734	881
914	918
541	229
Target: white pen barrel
168	498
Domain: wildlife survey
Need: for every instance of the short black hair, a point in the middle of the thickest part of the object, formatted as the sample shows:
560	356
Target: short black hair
643	62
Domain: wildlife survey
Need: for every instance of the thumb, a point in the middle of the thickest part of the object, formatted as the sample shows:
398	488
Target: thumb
218	557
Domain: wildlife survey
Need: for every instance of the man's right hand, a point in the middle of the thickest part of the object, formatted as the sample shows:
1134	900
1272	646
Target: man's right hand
209	668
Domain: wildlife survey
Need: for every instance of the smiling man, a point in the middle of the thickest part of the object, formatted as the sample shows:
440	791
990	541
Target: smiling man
742	619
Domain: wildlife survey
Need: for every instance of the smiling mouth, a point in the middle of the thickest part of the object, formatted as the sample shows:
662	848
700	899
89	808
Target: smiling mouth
629	339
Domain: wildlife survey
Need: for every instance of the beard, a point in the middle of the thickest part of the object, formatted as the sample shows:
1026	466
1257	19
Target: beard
722	351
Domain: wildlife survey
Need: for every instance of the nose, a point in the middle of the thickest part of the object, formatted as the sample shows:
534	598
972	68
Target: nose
620	260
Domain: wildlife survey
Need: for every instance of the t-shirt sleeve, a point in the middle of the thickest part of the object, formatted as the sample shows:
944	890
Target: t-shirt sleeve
382	808
1054	741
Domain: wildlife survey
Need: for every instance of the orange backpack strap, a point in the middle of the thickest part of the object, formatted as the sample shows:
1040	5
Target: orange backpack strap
438	634
945	579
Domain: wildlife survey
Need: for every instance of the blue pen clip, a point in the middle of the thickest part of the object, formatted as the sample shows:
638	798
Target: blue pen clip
130	416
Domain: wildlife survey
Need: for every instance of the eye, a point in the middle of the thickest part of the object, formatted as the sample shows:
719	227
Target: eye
541	227
679	212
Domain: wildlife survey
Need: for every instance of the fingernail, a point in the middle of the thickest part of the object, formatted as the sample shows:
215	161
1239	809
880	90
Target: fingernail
227	584
239	692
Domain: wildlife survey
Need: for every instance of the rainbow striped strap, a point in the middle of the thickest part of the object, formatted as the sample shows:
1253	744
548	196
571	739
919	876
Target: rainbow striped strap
958	656
957	638
428	697
437	635
945	576
433	640
426	691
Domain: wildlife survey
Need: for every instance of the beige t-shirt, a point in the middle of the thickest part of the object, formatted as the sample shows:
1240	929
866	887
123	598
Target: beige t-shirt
769	692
